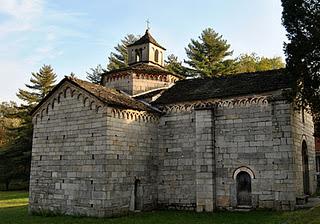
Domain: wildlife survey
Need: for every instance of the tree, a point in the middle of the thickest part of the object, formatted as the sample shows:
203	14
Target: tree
208	55
7	123
15	152
119	59
172	64
253	63
15	155
301	18
42	83
95	74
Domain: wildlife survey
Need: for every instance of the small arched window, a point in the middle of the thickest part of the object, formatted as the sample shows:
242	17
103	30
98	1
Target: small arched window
156	56
138	55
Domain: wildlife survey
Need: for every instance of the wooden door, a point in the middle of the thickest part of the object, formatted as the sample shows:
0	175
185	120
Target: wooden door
244	189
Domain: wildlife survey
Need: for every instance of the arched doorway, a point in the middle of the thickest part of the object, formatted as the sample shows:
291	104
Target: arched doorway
243	189
305	168
137	195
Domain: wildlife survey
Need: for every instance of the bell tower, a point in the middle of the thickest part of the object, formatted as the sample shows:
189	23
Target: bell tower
146	70
146	50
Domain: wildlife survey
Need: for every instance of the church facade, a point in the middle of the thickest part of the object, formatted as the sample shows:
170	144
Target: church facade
146	138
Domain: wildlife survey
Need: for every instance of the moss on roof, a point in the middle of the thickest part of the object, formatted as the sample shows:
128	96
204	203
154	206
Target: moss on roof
143	69
227	86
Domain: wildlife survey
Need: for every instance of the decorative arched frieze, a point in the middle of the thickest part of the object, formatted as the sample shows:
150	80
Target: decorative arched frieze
73	92
229	103
50	104
59	96
79	96
43	113
141	116
86	101
92	105
37	118
54	101
47	109
243	169
67	92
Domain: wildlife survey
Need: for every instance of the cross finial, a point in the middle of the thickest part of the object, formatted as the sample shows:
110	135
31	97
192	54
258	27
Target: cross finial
148	24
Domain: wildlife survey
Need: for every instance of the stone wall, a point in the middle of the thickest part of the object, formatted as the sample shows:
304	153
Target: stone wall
177	176
131	157
87	160
259	139
123	83
205	161
141	85
136	84
254	136
69	173
244	141
302	129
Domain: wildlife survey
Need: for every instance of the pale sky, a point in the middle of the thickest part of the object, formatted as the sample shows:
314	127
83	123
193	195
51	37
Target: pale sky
75	35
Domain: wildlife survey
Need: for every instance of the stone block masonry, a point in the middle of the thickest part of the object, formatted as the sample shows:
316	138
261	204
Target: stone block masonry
89	162
176	176
92	159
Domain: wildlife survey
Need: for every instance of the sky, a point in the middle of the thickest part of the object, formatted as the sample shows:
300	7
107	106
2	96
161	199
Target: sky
76	35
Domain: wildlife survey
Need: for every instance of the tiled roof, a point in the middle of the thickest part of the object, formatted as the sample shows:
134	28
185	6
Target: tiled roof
143	69
146	38
110	96
222	87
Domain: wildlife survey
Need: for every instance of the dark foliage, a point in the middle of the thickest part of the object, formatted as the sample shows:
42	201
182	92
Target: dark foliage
301	19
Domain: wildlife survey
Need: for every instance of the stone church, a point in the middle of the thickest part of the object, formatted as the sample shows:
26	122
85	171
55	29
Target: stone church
146	138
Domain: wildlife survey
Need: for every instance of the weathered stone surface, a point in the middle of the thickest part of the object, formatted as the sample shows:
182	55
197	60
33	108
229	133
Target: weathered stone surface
92	159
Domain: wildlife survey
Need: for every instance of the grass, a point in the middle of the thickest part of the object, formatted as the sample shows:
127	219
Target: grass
13	199
13	210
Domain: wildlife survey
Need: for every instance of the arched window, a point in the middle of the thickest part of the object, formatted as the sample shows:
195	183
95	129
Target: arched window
138	55
305	168
156	56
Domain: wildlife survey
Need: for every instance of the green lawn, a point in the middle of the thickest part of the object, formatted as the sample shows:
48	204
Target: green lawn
13	199
13	210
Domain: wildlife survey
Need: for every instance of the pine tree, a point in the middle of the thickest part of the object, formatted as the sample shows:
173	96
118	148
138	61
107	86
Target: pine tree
301	18
15	156
42	83
173	65
95	74
7	123
208	54
119	59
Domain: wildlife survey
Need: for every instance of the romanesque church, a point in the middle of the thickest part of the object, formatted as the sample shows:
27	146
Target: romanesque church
146	138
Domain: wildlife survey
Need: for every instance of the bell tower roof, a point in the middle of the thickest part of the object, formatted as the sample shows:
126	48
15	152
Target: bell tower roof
145	39
146	50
